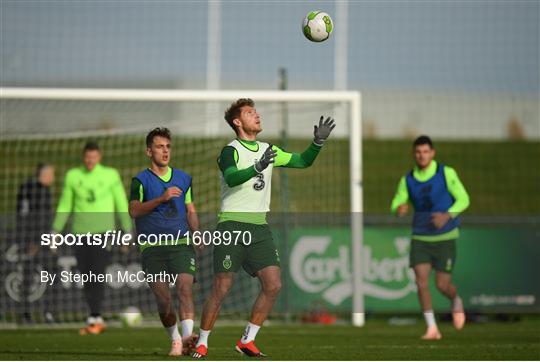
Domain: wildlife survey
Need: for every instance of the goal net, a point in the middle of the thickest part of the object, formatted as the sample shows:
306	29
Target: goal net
52	126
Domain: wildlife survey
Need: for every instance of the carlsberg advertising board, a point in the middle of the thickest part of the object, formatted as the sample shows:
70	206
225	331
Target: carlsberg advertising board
495	270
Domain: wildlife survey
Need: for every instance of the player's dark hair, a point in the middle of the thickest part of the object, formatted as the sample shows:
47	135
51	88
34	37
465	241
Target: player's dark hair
423	140
158	131
40	167
91	146
234	110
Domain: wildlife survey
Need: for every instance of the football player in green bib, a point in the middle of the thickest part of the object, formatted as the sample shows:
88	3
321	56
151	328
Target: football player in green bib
246	172
162	204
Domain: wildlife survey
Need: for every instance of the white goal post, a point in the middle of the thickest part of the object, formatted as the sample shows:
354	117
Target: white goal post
353	98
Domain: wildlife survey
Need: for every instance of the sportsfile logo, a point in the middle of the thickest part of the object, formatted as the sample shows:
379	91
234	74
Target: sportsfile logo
318	266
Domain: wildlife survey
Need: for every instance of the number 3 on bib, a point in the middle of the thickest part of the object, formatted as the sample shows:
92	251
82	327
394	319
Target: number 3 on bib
259	182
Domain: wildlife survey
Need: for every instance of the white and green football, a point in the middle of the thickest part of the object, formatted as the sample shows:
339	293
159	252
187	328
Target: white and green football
131	317
317	26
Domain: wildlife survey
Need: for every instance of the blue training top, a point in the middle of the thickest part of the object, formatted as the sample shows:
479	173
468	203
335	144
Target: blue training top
429	197
169	217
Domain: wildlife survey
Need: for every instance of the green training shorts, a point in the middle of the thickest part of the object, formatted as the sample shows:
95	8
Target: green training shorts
440	254
172	259
259	254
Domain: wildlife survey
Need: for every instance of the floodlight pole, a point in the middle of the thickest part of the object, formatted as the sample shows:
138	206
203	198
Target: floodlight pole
340	40
213	61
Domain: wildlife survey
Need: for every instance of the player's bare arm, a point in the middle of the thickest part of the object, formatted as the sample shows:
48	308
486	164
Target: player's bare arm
193	221
138	208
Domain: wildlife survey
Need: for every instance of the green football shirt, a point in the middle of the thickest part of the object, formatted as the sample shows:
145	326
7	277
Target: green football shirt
94	197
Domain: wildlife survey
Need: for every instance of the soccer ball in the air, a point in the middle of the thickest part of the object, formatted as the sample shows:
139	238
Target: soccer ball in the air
131	317
317	26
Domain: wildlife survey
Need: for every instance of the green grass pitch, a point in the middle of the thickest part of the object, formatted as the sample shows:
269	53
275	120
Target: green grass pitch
376	341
